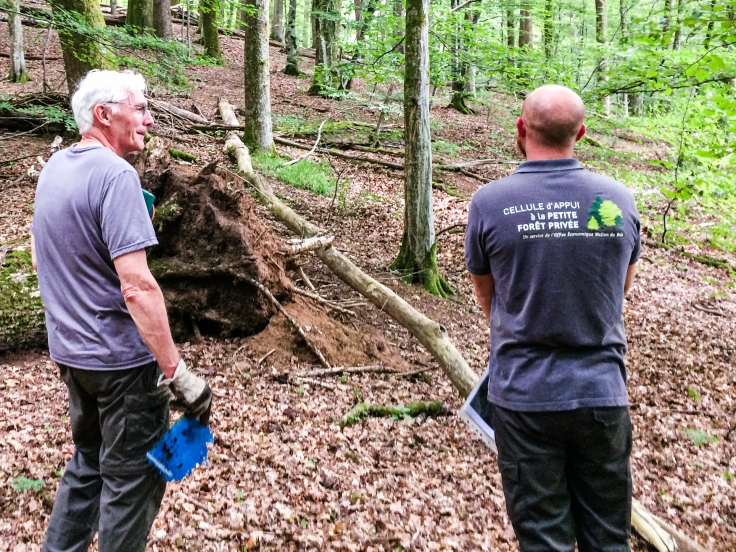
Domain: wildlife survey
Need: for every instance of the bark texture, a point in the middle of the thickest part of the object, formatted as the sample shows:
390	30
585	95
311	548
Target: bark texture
277	21
417	258
162	19
258	133
292	63
526	26
209	11
18	71
140	14
81	53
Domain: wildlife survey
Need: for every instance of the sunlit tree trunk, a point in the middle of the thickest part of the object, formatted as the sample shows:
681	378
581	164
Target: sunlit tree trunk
472	17
623	41
162	18
510	27
140	14
82	53
209	10
548	32
292	62
457	100
526	26
327	28
417	256
601	23
257	133
277	26
18	71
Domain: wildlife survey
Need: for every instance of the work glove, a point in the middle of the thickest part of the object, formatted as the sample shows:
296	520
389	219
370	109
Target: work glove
192	394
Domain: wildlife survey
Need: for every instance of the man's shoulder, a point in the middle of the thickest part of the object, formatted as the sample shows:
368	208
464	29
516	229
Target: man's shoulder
497	188
604	183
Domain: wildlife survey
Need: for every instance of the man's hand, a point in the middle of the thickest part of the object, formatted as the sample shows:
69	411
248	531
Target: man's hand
193	395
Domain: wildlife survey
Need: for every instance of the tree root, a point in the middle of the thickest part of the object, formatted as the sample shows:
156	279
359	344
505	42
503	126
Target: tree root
412	410
427	273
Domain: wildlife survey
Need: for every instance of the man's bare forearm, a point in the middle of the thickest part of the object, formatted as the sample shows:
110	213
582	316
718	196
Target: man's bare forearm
484	288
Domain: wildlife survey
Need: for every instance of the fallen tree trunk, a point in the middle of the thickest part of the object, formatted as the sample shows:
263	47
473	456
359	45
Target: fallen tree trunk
431	335
363	410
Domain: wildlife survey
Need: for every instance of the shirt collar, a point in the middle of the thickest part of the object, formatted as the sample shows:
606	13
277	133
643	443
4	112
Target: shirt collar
547	165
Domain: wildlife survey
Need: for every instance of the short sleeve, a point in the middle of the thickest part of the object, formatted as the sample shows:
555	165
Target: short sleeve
124	220
476	258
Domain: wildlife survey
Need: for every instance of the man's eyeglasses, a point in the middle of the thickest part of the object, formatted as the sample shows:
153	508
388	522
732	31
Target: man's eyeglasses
141	109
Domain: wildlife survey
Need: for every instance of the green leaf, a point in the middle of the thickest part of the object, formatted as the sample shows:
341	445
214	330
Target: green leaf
693	394
699	436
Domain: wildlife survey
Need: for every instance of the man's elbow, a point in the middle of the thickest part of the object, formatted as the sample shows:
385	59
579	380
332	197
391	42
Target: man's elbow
138	291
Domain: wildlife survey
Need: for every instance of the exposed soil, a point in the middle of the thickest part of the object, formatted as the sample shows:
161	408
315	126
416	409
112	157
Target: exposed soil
282	474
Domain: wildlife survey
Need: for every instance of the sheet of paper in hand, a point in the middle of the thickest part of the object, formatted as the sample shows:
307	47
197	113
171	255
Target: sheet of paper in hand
181	449
476	413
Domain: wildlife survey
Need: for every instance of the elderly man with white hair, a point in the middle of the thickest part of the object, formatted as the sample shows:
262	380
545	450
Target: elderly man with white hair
107	326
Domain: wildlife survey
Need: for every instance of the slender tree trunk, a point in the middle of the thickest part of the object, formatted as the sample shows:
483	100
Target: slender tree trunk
327	27
277	25
140	14
257	133
548	31
510	27
399	32
526	26
314	24
162	19
18	71
472	17
677	39
459	65
417	256
629	102
709	28
601	24
208	16
81	53
113	8
292	62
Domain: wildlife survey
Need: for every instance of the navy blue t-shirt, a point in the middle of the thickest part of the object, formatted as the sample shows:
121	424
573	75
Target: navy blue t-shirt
558	240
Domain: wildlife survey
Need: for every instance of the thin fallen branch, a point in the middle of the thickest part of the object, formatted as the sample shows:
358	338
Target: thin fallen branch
332	305
8	161
645	524
451	227
704	259
305	278
311	381
363	410
337	370
709	311
415	372
178	112
338	153
478	162
310	152
31	58
310	244
264	357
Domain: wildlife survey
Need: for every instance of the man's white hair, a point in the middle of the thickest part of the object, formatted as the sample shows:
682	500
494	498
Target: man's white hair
103	87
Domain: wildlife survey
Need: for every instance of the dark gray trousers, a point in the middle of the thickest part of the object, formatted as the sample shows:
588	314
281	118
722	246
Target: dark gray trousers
108	486
566	477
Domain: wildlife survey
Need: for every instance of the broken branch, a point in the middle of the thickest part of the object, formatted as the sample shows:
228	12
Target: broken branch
363	410
310	152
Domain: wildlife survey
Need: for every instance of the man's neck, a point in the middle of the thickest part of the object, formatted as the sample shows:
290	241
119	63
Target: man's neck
94	137
545	154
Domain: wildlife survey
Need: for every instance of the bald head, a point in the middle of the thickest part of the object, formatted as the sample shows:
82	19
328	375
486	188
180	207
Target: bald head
553	116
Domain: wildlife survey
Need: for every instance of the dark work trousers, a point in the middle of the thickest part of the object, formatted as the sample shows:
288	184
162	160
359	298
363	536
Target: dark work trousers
108	485
566	476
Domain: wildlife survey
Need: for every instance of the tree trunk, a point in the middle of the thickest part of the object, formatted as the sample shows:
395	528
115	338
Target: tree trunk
327	27
399	32
313	24
601	24
162	19
83	53
459	67
113	8
677	39
209	10
257	133
636	103
510	27
140	14
417	256
18	71
292	63
526	26
709	28
277	25
548	31
21	310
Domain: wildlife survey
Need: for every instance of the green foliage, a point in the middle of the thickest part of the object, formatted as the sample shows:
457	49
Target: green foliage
693	394
699	436
22	320
306	174
21	483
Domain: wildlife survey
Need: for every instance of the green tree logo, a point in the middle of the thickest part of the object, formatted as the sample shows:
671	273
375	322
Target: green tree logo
604	214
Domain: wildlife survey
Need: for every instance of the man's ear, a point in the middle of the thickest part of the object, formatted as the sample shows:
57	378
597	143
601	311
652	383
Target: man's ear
581	132
521	127
101	114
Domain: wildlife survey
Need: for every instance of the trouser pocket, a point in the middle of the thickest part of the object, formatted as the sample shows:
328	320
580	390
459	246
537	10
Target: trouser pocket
146	420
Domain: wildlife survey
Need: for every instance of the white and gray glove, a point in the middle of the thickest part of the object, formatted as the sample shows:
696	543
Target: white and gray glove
192	394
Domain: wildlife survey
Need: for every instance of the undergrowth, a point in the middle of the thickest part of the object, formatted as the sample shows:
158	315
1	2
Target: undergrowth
306	174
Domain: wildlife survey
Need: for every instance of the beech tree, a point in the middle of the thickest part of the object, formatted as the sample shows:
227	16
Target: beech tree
601	23
18	71
526	27
209	10
162	18
140	14
292	64
277	26
258	134
81	52
326	29
417	259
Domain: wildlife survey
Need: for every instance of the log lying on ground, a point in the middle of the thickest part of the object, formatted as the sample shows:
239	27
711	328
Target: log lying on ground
363	410
21	311
431	335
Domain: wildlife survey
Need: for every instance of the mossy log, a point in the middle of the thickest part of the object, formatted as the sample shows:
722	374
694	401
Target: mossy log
22	320
412	410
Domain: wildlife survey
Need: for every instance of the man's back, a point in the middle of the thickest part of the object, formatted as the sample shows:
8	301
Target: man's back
557	240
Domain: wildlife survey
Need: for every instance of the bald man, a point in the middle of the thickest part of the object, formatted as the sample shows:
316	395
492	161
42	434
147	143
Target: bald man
551	251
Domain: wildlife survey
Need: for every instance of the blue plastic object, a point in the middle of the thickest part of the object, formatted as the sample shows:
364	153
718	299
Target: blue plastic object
181	449
149	199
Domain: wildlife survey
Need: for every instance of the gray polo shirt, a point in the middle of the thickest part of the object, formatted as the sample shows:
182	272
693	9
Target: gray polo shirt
558	240
89	210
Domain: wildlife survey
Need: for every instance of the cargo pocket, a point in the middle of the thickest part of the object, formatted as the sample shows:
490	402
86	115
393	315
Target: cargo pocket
146	420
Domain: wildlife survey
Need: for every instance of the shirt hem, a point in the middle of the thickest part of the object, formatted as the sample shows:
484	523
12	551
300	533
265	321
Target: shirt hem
104	367
134	247
564	405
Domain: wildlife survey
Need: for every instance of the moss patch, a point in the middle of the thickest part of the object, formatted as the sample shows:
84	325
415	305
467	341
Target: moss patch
22	319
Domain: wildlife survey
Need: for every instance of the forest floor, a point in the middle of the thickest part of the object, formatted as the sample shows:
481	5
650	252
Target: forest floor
282	474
